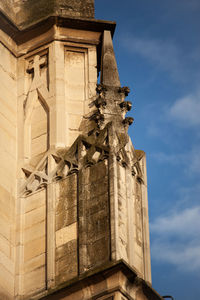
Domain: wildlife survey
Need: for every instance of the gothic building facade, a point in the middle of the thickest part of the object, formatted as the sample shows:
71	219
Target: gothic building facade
73	190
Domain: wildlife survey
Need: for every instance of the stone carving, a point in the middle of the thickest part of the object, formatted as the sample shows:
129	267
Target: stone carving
108	133
124	90
84	152
36	102
104	137
36	108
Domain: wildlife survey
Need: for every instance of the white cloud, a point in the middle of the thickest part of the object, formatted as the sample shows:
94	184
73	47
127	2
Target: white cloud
190	160
186	222
163	53
175	239
172	159
194	161
188	193
187	110
185	256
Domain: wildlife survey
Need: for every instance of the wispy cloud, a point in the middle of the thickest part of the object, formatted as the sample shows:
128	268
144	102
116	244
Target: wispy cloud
186	110
176	239
183	223
162	53
168	158
167	56
188	194
189	160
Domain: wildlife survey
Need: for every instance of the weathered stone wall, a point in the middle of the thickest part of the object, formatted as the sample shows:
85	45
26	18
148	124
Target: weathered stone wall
66	223
56	83
133	234
80	87
66	256
94	226
8	161
34	235
123	213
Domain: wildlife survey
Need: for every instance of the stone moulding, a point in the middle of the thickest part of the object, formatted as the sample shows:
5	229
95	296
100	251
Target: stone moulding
118	275
85	151
21	36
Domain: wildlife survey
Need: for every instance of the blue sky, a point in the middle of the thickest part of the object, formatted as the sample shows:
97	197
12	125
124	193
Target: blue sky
157	45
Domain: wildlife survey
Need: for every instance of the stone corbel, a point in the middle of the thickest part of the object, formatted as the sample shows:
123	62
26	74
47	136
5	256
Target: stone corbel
100	102
127	122
124	90
101	89
126	105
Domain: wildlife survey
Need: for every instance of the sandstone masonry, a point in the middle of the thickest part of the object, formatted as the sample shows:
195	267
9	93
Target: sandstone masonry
73	190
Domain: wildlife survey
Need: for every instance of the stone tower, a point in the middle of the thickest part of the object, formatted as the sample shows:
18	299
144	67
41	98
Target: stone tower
73	191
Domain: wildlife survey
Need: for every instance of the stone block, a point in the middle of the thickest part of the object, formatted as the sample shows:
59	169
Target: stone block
98	172
66	218
98	226
35	281
66	234
35	216
74	121
92	57
7	202
8	127
39	145
35	231
66	267
77	109
66	262
94	231
5	246
7	262
35	263
98	252
6	279
65	249
34	248
4	228
35	201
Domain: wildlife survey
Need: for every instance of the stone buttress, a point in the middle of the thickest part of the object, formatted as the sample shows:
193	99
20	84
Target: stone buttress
73	190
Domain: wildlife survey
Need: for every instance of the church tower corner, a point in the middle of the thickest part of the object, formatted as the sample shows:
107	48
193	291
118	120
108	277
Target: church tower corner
73	189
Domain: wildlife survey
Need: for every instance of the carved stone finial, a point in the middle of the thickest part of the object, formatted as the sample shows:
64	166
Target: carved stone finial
109	71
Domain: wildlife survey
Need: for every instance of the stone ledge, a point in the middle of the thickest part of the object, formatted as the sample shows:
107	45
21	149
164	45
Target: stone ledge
21	36
105	280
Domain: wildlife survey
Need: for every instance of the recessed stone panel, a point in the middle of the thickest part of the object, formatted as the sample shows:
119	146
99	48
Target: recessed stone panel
94	227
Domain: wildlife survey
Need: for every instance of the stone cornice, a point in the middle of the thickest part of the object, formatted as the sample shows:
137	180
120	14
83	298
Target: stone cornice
101	274
22	36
